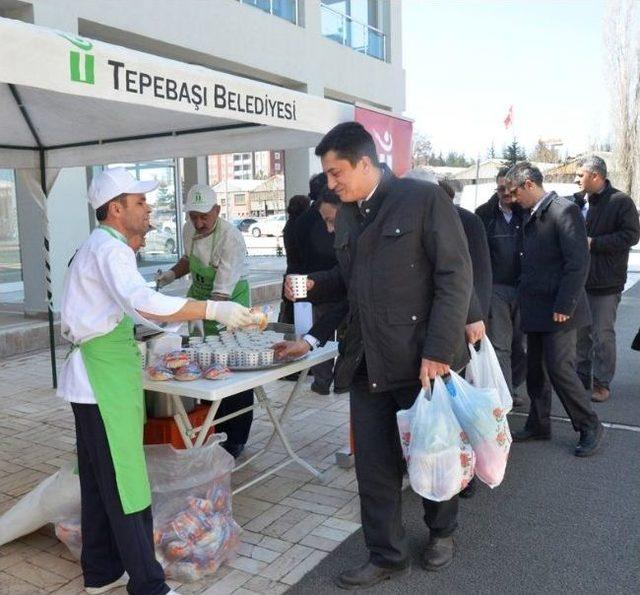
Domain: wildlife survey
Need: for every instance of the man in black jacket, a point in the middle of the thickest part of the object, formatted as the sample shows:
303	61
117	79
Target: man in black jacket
553	305
502	220
612	224
404	264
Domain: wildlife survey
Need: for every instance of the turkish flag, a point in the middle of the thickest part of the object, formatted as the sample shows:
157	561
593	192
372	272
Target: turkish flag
508	121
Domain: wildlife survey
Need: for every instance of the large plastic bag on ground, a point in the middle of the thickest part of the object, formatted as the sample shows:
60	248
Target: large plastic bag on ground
53	499
194	531
484	371
193	527
484	421
439	458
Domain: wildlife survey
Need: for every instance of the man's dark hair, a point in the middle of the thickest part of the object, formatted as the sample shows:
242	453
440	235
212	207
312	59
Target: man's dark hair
519	173
594	164
298	204
103	211
316	184
329	196
448	188
350	141
502	172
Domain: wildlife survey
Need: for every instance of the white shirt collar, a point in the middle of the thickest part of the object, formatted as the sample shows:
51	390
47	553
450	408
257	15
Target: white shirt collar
361	202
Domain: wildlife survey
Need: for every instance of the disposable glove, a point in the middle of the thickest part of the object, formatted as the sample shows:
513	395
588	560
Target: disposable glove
230	314
165	278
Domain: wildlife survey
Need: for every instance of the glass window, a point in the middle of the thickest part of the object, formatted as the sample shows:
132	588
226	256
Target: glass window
285	9
10	261
161	242
239	199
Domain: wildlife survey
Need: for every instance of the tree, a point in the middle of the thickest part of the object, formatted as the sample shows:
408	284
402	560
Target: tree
622	48
513	153
544	154
164	198
421	150
491	151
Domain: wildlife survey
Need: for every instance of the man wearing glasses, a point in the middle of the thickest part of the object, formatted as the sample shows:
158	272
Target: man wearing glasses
502	219
554	263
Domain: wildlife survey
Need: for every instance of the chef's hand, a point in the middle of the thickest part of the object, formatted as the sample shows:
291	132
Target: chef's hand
288	288
230	314
165	278
291	349
430	369
557	317
475	332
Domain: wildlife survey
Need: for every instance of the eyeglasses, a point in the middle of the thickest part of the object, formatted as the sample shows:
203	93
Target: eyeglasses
514	191
501	189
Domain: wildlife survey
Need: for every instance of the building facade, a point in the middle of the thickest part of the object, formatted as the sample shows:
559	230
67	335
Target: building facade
348	50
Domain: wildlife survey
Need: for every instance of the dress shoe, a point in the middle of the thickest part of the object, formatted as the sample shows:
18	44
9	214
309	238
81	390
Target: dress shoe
368	575
470	490
320	389
439	553
119	582
590	441
528	435
600	394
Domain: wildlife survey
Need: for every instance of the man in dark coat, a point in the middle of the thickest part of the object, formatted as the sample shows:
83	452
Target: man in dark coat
553	305
404	264
612	224
503	223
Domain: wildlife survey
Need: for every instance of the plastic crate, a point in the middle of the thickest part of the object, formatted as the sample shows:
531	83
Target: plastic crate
163	430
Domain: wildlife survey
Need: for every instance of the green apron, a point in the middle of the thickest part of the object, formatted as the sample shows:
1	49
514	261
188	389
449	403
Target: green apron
113	364
202	280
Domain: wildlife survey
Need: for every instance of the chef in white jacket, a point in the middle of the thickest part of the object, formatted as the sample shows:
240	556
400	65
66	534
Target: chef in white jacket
104	295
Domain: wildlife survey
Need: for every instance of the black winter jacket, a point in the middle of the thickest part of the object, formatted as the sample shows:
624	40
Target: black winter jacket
406	270
612	224
555	263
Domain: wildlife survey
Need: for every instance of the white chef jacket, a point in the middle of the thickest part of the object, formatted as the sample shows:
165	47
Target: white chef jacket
228	255
103	285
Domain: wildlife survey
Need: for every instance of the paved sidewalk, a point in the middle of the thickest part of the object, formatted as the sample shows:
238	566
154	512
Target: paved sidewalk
290	521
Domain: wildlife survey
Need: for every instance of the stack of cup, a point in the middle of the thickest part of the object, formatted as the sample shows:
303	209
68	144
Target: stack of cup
298	285
204	356
266	357
221	357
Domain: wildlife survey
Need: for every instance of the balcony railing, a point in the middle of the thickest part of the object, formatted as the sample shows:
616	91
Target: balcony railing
354	34
285	9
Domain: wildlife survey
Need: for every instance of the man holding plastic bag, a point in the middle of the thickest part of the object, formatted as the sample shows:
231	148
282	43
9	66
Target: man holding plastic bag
404	264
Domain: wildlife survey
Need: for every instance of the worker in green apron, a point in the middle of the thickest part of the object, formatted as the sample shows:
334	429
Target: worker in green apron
215	256
102	379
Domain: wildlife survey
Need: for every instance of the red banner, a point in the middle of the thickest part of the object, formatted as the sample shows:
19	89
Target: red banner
392	136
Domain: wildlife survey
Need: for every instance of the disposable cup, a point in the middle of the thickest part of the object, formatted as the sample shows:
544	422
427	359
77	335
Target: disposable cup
298	285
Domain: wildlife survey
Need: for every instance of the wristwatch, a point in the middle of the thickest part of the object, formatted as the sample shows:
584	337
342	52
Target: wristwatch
312	341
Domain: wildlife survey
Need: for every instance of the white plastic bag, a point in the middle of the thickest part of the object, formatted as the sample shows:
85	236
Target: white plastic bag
439	458
484	421
484	371
52	499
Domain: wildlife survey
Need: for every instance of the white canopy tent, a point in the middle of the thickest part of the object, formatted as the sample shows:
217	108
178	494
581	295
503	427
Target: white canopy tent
68	101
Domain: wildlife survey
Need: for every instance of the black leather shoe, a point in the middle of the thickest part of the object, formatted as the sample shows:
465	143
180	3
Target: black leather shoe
528	435
590	441
368	575
320	389
439	553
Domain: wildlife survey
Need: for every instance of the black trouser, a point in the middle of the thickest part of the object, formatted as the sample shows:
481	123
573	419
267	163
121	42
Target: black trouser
323	373
237	429
551	362
112	541
379	471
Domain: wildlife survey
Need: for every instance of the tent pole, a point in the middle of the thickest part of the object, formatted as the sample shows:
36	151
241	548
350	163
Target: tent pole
52	338
43	184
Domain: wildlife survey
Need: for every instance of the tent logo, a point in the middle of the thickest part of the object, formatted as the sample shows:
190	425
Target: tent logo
197	198
81	64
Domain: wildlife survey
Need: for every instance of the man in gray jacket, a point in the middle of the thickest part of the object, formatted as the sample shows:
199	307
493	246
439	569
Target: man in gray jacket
404	265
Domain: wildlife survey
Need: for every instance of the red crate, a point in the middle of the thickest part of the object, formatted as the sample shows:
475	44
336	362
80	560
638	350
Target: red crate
163	430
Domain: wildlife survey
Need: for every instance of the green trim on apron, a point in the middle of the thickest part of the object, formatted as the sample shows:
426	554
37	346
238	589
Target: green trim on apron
202	280
113	364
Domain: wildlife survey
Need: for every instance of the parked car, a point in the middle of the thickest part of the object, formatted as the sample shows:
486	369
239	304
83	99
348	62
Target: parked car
243	224
159	241
269	226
